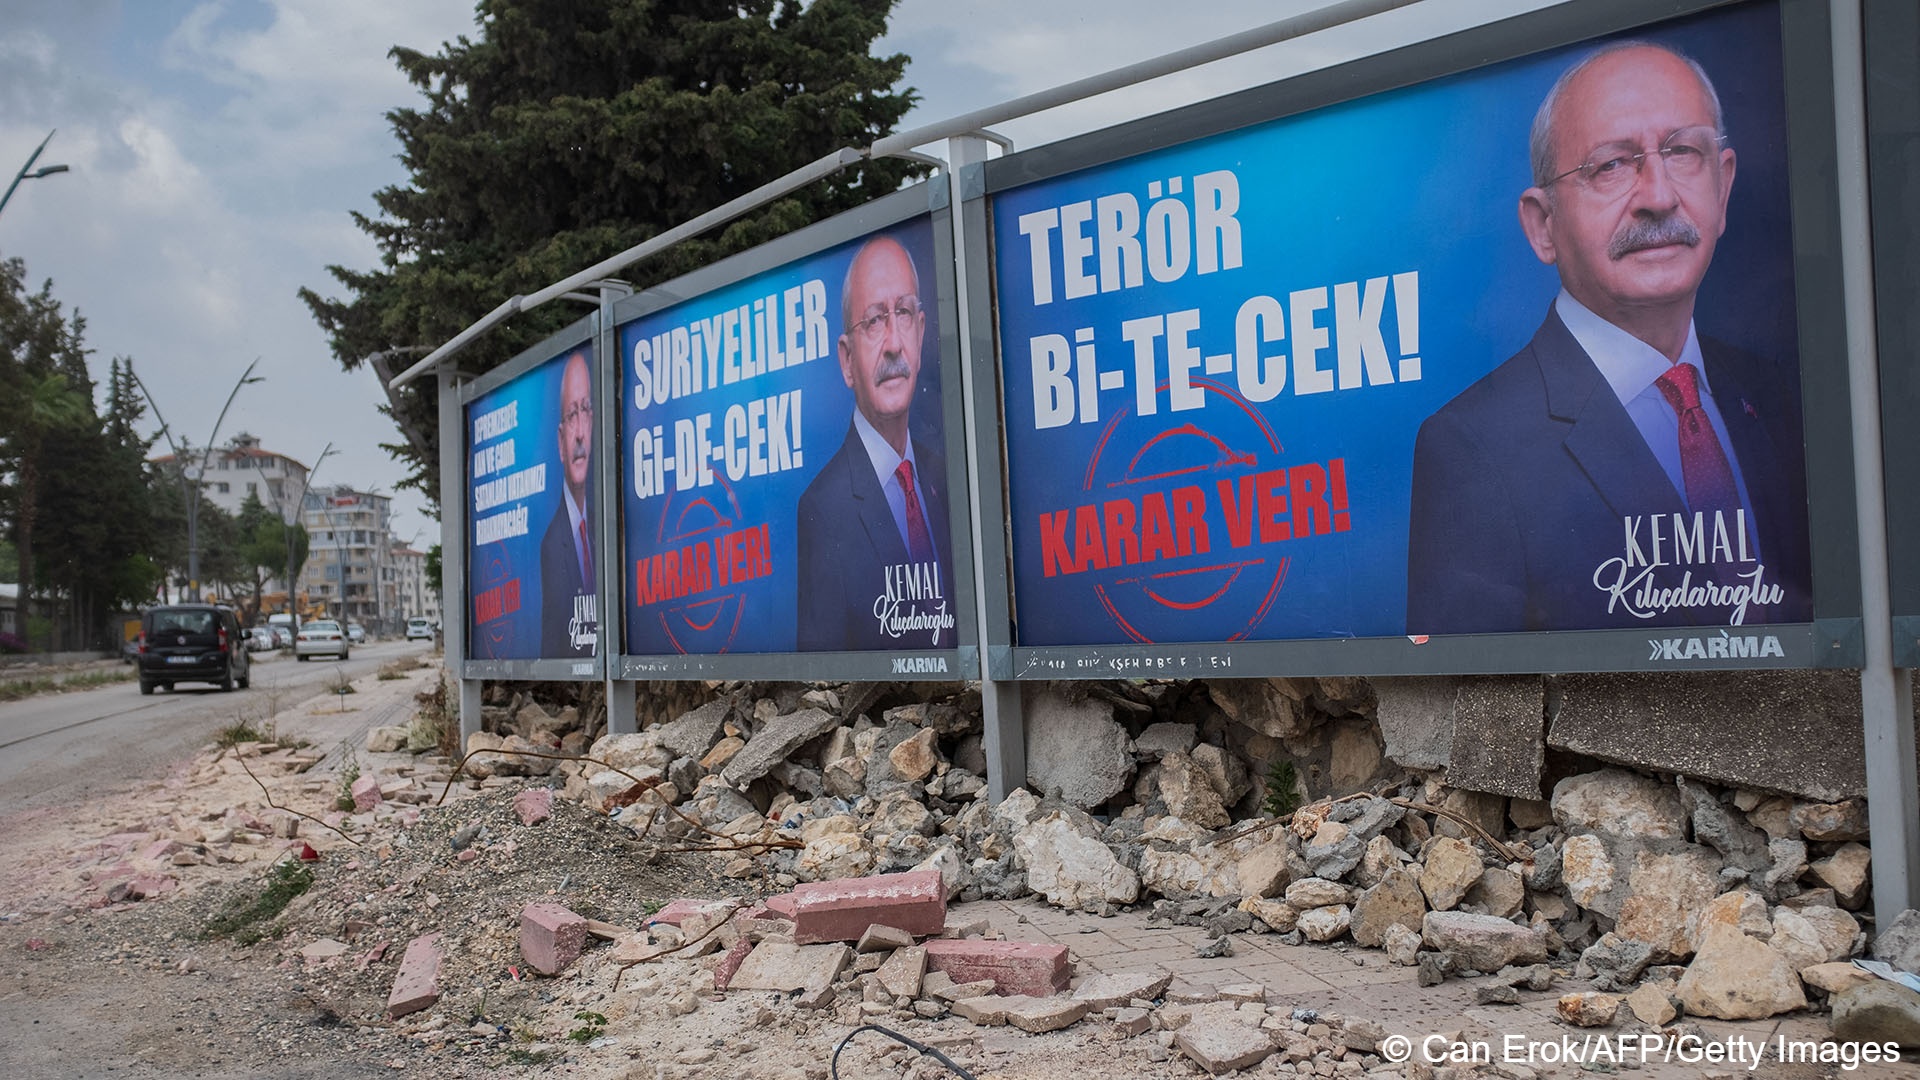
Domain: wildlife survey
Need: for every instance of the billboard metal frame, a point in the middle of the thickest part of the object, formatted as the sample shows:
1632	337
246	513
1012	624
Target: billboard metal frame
1832	640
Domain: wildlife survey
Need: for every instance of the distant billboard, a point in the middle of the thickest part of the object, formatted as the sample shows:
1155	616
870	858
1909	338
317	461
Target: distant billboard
531	514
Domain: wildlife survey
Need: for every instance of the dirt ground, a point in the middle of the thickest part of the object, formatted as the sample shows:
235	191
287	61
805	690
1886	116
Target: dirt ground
96	983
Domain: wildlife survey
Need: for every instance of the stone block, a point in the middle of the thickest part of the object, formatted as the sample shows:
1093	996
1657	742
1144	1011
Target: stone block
1735	977
1075	748
1499	735
729	965
1482	942
551	937
780	965
1879	1012
1041	1014
416	985
1016	967
1417	719
915	902
1796	731
366	793
773	741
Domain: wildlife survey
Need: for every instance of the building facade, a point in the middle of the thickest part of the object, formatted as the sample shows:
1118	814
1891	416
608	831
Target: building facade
416	594
350	569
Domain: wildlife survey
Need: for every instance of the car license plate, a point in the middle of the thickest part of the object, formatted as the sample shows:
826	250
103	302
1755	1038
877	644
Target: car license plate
181	659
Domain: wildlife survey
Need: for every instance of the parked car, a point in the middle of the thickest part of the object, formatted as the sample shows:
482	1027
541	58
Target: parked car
192	643
321	637
282	636
260	639
356	633
419	629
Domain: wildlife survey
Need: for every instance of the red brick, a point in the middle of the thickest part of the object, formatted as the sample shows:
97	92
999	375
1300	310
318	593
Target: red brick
782	905
676	911
1016	967
417	984
551	937
533	805
730	964
842	910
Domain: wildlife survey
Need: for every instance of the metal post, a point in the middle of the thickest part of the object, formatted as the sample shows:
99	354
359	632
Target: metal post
620	693
453	552
1004	741
1886	694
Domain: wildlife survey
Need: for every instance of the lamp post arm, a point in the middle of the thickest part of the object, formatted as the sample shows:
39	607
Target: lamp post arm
22	174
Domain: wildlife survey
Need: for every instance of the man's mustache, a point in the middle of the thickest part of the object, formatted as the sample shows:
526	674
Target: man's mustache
1641	233
894	367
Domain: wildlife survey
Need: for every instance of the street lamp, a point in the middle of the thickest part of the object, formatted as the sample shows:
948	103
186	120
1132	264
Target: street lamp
191	475
286	527
23	174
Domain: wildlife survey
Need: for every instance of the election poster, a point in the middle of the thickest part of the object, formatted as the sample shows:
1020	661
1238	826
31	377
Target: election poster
785	460
531	514
1511	350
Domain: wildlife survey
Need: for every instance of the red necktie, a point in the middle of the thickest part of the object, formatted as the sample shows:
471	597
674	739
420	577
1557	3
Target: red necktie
919	540
1703	462
586	558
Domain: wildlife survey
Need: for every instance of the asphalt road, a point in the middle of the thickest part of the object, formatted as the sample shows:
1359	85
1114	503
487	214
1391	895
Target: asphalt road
58	747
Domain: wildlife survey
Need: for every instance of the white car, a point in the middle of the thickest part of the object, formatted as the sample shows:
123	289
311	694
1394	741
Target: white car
356	633
260	639
321	637
419	629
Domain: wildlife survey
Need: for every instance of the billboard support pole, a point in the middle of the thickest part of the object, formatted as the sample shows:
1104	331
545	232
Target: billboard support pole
453	555
1886	694
620	694
1004	736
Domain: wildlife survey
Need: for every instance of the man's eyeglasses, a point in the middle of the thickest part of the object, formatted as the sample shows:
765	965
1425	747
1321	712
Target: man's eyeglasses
1610	170
873	326
578	413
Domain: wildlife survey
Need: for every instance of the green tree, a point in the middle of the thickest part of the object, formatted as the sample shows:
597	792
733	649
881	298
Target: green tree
44	391
568	132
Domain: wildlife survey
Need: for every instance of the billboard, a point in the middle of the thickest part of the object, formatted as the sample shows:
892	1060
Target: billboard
1405	366
786	476
531	513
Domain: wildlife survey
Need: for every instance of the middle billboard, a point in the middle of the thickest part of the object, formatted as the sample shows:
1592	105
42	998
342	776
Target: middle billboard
788	486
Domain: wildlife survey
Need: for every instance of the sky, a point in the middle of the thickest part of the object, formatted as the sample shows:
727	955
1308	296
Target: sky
218	147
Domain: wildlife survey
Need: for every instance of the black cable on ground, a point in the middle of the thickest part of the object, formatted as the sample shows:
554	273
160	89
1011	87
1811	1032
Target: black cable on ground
834	1065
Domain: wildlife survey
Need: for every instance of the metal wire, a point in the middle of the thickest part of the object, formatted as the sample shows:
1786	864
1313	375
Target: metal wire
834	1065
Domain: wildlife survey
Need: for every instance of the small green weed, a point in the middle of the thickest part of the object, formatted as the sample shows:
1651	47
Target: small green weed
592	1026
20	689
241	917
1283	794
520	1055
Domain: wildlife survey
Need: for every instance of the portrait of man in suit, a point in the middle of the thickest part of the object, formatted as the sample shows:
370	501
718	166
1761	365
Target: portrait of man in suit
1622	469
569	620
875	570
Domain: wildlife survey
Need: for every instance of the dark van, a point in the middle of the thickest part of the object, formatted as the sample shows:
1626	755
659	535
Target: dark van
192	643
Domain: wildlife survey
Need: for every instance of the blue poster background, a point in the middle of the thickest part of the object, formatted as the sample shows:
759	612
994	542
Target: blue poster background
746	524
513	444
1422	180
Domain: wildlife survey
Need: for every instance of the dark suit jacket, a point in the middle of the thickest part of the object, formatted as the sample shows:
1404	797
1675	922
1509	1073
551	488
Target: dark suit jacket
1521	482
560	582
847	541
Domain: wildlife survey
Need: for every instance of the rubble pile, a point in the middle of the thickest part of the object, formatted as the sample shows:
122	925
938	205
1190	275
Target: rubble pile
1727	904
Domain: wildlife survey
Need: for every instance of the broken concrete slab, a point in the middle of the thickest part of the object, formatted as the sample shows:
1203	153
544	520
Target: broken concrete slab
1110	991
902	973
1221	1046
1041	1014
882	938
780	965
